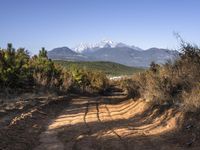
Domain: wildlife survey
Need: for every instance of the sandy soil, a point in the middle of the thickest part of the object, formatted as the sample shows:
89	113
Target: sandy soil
110	122
105	123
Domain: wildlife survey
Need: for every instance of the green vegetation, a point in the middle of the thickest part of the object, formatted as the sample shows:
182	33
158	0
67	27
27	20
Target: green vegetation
89	80
20	71
109	68
174	83
14	67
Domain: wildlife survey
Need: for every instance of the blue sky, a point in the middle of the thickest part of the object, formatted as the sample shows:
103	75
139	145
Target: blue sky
53	23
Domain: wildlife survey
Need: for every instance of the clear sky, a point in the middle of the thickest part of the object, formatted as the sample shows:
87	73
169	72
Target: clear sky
53	23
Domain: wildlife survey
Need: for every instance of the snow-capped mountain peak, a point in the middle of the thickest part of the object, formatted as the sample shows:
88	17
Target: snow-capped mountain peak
84	47
81	47
102	44
114	52
105	43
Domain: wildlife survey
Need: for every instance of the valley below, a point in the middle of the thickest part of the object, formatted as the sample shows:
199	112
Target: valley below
108	68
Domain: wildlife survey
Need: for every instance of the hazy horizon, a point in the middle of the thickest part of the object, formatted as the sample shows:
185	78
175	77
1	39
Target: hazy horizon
34	24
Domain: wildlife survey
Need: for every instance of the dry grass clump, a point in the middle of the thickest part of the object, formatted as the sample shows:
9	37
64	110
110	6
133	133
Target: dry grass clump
174	83
191	100
131	87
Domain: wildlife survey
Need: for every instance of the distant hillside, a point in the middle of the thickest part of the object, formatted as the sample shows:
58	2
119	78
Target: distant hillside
114	52
64	53
109	68
131	57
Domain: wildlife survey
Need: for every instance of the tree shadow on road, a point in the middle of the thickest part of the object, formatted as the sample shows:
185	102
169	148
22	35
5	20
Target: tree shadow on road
102	125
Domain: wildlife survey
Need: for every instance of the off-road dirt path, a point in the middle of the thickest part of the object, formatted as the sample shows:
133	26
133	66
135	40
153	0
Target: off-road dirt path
110	122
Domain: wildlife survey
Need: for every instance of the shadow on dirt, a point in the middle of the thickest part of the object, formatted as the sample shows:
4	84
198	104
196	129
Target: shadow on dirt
104	123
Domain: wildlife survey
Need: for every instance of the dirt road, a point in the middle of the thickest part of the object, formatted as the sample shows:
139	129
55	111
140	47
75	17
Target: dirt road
111	122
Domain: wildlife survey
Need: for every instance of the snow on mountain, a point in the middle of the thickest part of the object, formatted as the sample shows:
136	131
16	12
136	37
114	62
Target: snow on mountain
84	47
106	43
81	47
114	52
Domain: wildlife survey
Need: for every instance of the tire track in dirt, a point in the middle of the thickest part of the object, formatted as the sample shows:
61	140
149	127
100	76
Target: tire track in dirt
95	133
85	115
97	108
74	147
99	120
115	132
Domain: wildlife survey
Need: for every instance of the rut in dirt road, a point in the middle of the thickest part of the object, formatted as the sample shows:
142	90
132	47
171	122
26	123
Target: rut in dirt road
108	122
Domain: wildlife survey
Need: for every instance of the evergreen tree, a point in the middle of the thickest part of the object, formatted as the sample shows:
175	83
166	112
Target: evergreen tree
43	53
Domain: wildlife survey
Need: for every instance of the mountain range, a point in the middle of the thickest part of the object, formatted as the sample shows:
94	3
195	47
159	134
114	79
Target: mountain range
114	52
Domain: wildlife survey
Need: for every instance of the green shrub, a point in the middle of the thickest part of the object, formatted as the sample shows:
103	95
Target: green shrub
44	71
14	68
89	81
